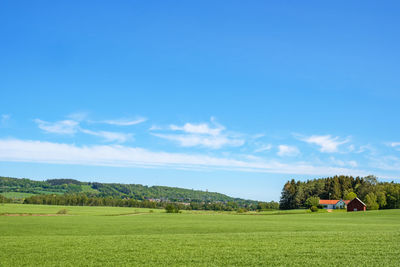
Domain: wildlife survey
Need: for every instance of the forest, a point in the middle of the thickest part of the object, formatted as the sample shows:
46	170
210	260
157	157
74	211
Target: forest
375	194
75	193
83	200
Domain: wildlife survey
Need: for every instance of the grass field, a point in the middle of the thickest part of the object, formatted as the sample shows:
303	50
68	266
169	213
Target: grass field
16	194
132	236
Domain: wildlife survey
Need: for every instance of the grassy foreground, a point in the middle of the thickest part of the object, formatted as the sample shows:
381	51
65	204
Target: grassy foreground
99	236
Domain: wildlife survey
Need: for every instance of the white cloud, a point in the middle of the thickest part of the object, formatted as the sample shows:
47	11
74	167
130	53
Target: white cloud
109	136
78	116
155	128
201	128
202	134
123	156
388	163
395	144
327	143
59	127
198	140
4	119
262	148
290	151
72	127
124	122
350	163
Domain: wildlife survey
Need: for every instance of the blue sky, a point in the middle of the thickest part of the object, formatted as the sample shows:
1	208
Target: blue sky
230	96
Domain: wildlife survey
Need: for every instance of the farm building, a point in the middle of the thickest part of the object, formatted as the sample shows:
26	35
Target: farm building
356	205
333	203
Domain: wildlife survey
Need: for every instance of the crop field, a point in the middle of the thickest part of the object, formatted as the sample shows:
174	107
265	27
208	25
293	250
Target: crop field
99	236
19	195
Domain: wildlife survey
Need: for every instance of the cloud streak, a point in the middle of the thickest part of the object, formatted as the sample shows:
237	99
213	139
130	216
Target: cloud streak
4	119
71	127
123	156
327	143
262	148
59	127
123	122
395	144
201	134
288	151
110	136
214	142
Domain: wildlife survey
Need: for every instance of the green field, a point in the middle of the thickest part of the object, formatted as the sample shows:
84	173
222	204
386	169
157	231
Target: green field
18	195
99	236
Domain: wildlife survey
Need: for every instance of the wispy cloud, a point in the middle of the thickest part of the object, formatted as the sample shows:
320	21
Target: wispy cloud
59	127
201	128
123	121
124	156
71	127
109	136
198	140
4	119
338	162
395	144
387	163
288	151
202	134
262	148
327	143
78	116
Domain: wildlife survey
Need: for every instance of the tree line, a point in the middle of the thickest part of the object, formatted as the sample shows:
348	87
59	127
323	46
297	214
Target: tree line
376	195
3	199
84	200
115	190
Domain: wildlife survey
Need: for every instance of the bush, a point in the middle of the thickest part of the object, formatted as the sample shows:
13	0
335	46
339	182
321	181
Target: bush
171	208
241	210
314	209
63	211
312	201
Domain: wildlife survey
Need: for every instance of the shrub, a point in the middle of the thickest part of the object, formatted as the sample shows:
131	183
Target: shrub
171	208
241	210
312	201
63	211
314	209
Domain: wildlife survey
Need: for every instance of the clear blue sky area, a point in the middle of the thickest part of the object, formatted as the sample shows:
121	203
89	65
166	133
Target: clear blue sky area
230	96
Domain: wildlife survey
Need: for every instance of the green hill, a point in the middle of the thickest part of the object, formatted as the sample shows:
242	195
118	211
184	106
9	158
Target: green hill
22	188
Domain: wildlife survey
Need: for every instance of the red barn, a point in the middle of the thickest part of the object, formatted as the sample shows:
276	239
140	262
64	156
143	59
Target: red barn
356	205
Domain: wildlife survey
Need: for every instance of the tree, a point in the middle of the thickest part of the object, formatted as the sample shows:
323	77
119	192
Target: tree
371	180
371	201
336	189
312	201
171	208
350	196
287	200
381	199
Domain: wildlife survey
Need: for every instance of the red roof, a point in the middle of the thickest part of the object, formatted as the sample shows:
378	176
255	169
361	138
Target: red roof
328	202
332	201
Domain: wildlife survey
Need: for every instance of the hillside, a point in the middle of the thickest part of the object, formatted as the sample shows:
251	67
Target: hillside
23	188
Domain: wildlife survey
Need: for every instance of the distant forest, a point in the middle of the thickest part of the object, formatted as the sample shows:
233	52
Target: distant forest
73	192
376	195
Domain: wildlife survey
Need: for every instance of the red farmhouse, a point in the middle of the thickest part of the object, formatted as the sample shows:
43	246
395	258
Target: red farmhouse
356	205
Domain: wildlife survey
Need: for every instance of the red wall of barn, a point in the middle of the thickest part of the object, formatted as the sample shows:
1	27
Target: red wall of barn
355	205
